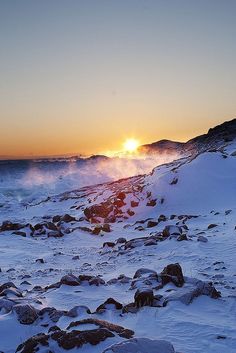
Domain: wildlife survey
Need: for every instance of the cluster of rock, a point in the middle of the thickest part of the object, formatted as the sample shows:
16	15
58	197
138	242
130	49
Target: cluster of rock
73	280
76	339
54	228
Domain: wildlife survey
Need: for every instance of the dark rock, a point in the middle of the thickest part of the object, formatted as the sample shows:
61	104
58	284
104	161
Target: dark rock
123	332
130	213
55	234
109	244
182	237
70	280
96	230
109	302
26	314
150	242
83	278
212	226
106	228
54	328
67	218
121	241
171	230
151	224
162	218
53	313
56	218
173	273
134	203
51	226
98	210
144	297
18	232
151	203
174	181
121	196
96	281
32	344
76	257
7	285
76	339
145	272
8	225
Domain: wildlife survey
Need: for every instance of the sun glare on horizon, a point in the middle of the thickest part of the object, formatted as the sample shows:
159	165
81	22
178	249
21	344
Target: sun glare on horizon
131	145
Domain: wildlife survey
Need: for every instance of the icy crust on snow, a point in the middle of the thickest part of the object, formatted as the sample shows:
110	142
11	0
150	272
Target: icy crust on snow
141	345
94	279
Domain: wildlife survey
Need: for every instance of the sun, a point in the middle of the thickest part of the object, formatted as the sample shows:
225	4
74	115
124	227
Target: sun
131	145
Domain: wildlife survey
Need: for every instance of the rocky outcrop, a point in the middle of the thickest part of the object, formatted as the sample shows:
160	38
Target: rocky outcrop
64	339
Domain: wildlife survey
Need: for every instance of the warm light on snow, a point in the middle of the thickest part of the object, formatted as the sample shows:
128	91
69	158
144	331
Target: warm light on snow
131	145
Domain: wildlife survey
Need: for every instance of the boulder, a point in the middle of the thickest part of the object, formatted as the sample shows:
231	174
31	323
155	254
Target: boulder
98	210
26	314
106	228
110	303
67	218
151	224
143	297
134	203
96	281
56	218
122	331
173	273
108	244
52	313
70	280
145	272
33	343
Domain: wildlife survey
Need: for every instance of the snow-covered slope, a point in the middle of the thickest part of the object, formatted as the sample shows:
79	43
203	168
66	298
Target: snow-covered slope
143	264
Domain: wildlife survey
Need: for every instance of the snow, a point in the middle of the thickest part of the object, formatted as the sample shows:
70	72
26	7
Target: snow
206	188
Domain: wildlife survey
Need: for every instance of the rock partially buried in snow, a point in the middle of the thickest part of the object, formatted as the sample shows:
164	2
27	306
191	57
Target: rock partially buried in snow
70	280
26	314
141	345
144	297
202	239
171	230
173	273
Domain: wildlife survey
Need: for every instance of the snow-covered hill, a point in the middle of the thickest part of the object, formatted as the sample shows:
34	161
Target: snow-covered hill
142	264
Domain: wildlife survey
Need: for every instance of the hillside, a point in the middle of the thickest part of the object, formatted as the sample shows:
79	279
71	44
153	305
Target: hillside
142	264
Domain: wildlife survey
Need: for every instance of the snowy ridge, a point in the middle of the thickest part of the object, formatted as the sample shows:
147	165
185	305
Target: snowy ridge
142	264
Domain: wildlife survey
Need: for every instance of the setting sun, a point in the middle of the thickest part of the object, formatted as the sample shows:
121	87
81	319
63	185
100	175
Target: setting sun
131	145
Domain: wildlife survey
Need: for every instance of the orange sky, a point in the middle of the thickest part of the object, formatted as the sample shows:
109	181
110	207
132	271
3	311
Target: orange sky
83	76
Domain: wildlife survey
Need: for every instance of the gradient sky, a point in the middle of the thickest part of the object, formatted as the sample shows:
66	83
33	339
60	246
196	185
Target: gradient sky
82	76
